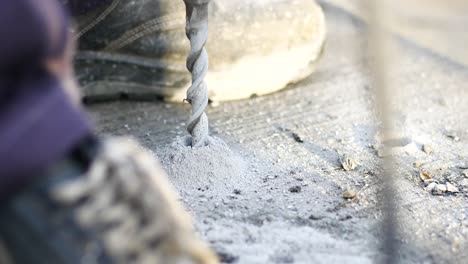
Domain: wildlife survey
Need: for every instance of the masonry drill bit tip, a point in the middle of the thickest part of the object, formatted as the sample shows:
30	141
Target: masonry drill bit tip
197	64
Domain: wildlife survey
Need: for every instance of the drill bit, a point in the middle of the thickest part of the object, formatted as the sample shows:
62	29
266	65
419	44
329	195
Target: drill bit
197	64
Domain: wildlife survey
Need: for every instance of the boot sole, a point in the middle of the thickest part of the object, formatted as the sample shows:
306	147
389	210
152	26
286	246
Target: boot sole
109	76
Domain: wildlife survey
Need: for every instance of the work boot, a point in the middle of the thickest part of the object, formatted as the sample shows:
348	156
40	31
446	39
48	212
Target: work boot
139	48
106	204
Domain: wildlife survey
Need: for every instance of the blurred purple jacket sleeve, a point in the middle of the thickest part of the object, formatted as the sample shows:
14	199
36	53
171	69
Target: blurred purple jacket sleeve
38	123
23	33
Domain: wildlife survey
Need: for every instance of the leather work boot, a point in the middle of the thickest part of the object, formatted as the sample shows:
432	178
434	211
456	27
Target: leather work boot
106	204
139	48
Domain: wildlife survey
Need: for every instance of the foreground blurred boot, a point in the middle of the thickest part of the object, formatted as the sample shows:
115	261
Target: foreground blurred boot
121	209
66	197
139	48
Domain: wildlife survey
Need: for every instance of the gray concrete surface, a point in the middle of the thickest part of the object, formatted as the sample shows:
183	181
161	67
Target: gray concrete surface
438	25
258	217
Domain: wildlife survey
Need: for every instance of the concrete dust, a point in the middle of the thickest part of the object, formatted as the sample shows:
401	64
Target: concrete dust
229	185
215	162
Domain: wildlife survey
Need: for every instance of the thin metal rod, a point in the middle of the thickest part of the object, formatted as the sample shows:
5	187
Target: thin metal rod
197	64
379	54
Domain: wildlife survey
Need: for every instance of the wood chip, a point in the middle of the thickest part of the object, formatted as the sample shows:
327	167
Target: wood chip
451	188
425	177
349	194
348	163
427	149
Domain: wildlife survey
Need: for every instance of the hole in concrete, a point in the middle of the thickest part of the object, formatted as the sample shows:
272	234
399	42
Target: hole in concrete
187	142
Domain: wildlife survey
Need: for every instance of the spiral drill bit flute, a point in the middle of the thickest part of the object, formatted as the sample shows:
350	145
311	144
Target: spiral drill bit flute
197	64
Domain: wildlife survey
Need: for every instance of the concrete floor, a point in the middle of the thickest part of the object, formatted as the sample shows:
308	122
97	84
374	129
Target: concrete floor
332	112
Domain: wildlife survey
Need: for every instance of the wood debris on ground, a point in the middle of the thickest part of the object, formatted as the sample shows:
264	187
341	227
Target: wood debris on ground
425	177
349	194
427	149
348	163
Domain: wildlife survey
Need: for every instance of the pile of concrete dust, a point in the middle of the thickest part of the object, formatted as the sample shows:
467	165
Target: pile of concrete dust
207	168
